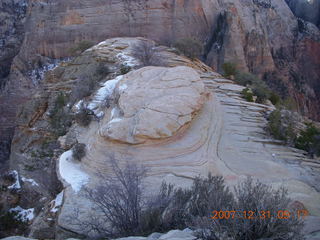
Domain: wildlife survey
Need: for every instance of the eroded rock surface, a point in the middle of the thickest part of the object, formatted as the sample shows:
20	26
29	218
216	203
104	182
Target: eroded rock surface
222	133
154	103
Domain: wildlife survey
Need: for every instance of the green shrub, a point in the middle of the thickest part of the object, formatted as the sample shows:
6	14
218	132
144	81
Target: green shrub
245	79
190	47
259	87
81	47
9	220
79	151
275	125
309	140
124	69
275	98
290	104
247	94
60	119
281	125
229	69
261	91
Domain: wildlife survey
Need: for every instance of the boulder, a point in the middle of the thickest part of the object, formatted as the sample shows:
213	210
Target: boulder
154	103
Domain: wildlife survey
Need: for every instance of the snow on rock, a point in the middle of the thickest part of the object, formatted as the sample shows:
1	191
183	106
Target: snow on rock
123	87
37	74
127	59
104	92
78	105
16	184
25	215
115	120
33	182
57	202
71	171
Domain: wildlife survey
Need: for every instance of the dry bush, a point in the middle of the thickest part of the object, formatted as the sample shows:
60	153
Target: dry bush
80	47
147	53
190	47
83	88
84	116
255	196
79	151
119	199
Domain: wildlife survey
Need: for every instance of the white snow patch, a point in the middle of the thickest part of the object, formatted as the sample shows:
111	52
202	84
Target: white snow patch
33	182
57	202
104	92
127	59
78	105
100	115
113	112
37	74
26	215
16	184
115	120
71	171
123	87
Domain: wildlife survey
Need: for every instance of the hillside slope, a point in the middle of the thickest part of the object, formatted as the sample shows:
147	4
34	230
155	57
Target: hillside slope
263	37
198	124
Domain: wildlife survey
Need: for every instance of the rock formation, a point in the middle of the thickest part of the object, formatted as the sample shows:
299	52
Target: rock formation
180	121
261	36
308	10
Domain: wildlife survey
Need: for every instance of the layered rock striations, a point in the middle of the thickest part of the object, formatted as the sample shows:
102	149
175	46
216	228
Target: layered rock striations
180	121
261	36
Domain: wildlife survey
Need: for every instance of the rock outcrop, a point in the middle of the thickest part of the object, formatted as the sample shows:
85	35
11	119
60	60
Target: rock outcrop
172	99
263	37
308	10
205	127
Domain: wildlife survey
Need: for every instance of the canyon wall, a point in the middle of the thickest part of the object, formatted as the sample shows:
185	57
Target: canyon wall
308	10
261	36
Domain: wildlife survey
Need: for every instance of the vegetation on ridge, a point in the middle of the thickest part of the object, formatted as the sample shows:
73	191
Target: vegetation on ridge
122	202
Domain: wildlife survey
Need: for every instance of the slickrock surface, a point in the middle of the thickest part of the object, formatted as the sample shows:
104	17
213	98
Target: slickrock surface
154	103
263	37
226	138
206	127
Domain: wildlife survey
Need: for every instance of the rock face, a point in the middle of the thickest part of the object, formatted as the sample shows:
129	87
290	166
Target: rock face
308	10
206	127
174	96
263	37
12	16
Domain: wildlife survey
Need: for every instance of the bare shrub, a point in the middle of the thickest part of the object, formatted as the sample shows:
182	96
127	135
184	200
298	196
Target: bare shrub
190	47
80	47
83	88
147	53
102	69
79	151
84	116
119	198
252	203
255	196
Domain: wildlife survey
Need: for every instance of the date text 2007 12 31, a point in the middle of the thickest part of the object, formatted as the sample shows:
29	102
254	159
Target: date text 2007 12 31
281	214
